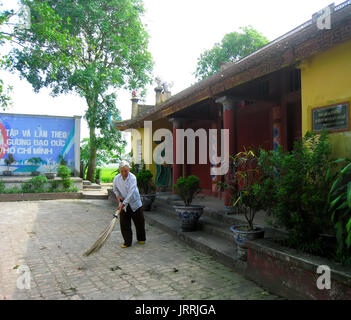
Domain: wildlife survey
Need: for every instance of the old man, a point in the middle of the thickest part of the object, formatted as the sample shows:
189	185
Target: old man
127	193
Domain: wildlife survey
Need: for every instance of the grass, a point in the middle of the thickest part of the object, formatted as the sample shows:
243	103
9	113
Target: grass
107	174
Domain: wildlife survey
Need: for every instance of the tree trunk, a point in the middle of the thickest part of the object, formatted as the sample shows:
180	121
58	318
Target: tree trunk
92	160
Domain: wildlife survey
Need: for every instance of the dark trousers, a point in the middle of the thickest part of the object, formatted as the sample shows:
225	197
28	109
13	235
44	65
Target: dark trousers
125	220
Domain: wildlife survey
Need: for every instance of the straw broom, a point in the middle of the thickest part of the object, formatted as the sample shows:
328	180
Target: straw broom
103	236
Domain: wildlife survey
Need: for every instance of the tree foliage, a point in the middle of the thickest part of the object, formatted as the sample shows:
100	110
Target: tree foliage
91	48
233	47
5	98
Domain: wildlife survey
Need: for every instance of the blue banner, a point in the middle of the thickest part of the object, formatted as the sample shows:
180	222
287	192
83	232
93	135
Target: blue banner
36	143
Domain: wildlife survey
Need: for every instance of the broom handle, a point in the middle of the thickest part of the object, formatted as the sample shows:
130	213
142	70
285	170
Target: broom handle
116	215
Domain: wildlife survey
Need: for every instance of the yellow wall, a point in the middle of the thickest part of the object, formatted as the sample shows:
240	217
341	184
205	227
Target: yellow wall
159	124
326	80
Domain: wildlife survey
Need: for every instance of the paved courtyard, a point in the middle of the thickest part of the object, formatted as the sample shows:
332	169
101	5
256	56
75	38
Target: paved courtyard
49	238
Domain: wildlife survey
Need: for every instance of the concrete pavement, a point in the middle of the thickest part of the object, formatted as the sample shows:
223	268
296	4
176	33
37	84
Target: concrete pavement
49	238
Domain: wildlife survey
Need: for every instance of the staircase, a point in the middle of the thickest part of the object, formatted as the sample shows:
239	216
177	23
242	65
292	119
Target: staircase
93	191
87	185
213	236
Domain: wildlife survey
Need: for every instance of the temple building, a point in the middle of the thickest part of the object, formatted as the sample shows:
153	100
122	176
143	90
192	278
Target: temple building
298	82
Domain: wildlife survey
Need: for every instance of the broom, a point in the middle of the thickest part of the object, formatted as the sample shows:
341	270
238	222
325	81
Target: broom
103	236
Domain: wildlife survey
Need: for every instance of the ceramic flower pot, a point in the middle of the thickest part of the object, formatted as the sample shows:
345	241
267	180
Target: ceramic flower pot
147	201
50	175
242	235
189	216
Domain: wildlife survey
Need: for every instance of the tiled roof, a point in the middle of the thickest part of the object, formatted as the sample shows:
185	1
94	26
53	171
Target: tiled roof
287	50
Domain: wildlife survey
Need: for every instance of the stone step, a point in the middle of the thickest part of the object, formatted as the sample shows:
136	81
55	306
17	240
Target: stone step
222	250
94	196
86	183
92	186
217	222
207	224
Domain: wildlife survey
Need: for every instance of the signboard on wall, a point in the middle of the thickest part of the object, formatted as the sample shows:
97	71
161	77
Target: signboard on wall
48	139
332	118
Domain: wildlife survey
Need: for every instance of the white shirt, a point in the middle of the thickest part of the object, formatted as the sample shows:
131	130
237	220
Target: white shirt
128	190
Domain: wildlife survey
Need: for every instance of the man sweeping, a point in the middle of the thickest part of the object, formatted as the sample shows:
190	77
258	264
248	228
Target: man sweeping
130	206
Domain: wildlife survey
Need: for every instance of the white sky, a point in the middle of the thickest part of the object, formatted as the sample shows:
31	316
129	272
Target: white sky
179	32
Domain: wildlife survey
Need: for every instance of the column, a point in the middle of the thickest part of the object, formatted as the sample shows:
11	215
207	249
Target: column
77	120
276	127
229	123
177	168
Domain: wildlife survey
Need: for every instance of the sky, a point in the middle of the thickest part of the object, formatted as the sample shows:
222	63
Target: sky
179	30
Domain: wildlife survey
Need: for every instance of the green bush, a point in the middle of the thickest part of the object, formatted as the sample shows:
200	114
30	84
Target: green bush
53	185
67	183
63	172
187	188
34	185
2	186
13	190
74	189
295	189
144	181
340	207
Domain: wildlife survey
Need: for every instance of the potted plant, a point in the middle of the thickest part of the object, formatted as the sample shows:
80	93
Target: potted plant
189	214
247	177
50	174
8	161
35	162
147	188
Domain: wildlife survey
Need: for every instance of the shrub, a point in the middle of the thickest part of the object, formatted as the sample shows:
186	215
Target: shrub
340	206
34	185
13	190
53	185
74	189
2	186
295	189
187	188
67	183
144	180
63	172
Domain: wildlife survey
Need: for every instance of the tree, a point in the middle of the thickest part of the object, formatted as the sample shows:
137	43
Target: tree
96	46
5	98
233	47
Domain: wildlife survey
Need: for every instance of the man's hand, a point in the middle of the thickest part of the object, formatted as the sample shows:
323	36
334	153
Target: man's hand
121	206
120	199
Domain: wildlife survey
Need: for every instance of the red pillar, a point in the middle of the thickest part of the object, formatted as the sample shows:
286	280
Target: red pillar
229	123
177	168
277	130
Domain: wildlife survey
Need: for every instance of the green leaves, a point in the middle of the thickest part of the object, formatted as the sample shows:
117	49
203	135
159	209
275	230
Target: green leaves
340	206
234	46
144	180
91	48
296	189
187	188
